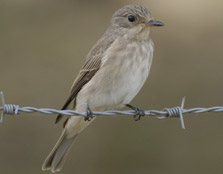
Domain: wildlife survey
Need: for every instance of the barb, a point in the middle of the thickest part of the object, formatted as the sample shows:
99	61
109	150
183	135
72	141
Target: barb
3	104
177	111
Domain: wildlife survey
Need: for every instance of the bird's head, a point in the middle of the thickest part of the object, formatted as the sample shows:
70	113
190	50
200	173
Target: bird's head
134	21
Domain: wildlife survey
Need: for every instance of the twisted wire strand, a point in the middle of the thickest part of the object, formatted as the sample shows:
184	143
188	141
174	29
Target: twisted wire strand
165	113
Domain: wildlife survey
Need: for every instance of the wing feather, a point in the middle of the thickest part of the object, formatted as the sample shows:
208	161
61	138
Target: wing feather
89	69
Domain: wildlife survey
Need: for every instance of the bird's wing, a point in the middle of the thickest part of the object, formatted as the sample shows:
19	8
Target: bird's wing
89	69
86	73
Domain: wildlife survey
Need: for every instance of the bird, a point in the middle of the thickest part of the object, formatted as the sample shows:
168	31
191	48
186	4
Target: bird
115	70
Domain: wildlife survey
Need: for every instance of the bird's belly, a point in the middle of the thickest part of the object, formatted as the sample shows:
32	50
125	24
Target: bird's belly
133	81
117	81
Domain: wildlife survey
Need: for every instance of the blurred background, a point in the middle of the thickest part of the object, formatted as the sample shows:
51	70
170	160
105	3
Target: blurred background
43	45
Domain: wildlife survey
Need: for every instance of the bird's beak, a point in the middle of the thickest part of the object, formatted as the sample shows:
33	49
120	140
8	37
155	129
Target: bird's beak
155	23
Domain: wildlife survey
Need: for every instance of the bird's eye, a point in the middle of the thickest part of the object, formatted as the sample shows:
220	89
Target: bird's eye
131	18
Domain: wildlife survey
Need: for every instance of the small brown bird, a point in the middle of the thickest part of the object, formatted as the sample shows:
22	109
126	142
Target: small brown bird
116	68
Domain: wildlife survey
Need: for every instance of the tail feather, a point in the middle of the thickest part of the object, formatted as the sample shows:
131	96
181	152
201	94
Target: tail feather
56	158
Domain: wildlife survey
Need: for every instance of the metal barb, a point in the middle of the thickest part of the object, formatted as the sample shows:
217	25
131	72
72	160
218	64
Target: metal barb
8	108
181	114
175	112
3	105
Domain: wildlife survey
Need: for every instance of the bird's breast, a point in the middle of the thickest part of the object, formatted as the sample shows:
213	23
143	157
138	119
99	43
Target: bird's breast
131	69
124	70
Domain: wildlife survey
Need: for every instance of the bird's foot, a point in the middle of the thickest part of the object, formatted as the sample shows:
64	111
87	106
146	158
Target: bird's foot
89	115
138	112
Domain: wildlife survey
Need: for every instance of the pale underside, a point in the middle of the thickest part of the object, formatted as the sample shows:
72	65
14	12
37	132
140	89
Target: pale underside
122	74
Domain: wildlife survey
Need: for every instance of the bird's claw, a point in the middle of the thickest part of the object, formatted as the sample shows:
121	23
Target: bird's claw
89	115
138	112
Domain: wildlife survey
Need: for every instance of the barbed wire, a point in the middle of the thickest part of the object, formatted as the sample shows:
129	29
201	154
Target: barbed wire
165	113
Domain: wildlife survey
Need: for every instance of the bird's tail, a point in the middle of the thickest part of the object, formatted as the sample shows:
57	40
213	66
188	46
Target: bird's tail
56	158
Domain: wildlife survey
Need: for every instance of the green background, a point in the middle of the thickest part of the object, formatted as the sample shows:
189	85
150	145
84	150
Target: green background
43	44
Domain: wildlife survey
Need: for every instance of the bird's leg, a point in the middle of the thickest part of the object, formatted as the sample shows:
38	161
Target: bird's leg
138	112
89	114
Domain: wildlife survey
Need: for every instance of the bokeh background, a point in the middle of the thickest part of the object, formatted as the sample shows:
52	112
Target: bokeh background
43	45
